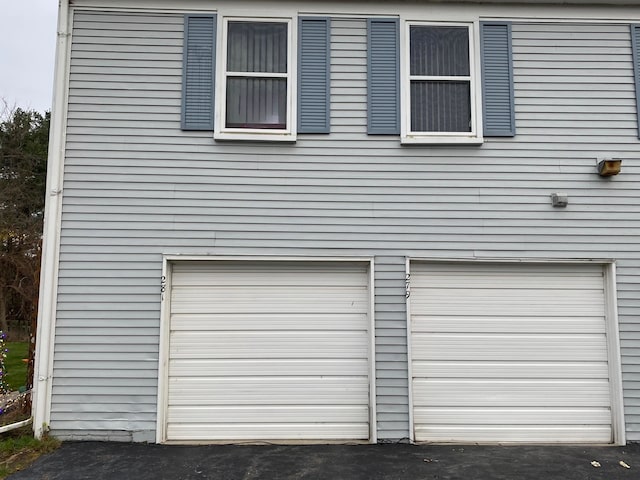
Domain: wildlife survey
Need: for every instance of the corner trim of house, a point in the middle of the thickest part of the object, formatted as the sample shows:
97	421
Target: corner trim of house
45	334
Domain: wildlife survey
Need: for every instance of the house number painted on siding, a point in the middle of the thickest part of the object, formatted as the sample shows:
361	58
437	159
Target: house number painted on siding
163	286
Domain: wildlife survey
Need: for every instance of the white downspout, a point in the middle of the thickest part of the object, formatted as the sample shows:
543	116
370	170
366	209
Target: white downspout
45	333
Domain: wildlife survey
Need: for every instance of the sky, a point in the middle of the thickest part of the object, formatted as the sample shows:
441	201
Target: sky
27	52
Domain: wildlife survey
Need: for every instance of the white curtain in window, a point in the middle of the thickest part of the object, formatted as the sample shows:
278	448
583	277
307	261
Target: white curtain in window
439	51
440	105
256	101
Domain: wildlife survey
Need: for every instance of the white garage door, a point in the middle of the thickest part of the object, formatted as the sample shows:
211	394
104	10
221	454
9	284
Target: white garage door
268	351
509	353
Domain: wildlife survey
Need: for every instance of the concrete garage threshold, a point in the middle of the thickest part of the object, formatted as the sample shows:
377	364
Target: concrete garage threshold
103	460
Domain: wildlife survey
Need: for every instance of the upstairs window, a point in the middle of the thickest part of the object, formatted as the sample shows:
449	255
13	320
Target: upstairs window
440	97
256	96
240	81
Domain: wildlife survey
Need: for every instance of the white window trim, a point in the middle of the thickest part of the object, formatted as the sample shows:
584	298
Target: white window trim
474	137
221	132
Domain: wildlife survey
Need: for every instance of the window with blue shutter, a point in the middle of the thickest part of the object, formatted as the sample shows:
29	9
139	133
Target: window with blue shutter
198	72
441	100
256	84
635	47
383	76
442	89
497	79
313	74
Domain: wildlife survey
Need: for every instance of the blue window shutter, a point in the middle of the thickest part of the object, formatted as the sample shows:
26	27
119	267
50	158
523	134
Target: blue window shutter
635	47
198	72
314	46
497	79
383	76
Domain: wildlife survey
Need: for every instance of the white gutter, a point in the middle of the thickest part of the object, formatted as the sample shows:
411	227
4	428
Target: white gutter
45	333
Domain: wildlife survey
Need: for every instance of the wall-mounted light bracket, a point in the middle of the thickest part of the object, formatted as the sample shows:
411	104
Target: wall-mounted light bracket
560	199
609	167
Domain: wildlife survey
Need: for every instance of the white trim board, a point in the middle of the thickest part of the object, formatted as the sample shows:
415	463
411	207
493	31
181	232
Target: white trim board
613	351
373	400
409	369
48	304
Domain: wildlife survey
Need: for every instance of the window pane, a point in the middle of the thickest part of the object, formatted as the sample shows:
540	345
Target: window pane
439	50
256	103
440	106
257	47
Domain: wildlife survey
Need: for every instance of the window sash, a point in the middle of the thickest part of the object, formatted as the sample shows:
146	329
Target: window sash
229	122
448	54
257	49
444	106
259	103
412	79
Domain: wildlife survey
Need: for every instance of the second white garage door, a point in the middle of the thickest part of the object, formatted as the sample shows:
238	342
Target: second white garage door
509	353
268	351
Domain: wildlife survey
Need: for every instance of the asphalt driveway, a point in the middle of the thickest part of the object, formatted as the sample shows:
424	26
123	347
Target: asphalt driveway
102	461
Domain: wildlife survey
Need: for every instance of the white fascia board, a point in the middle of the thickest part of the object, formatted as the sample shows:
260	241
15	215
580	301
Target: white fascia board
47	304
618	10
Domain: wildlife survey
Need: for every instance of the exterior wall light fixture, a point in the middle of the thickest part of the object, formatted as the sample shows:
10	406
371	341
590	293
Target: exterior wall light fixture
560	199
609	167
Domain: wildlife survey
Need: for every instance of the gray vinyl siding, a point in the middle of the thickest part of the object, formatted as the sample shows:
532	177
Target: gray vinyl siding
137	187
392	388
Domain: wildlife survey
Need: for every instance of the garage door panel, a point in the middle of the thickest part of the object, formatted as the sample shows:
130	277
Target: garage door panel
310	392
255	277
275	414
511	416
509	347
509	353
516	434
269	299
276	321
315	344
506	324
267	386
300	268
256	432
526	369
540	280
484	271
277	366
459	304
268	351
505	393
